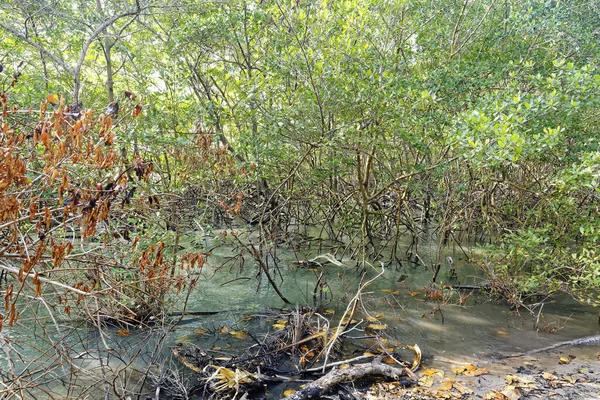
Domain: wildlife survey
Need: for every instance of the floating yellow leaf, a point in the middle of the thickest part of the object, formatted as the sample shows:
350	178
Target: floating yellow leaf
502	333
289	392
330	311
200	331
280	324
413	294
369	354
239	334
217	348
371	319
377	327
391	291
344	366
564	360
123	332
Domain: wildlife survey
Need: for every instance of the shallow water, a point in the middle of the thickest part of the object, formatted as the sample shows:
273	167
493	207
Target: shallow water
480	327
476	330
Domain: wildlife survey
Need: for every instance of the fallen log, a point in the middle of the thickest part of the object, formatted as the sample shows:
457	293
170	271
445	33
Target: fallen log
324	384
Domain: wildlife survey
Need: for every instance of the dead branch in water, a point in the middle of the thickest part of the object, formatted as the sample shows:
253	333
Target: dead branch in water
321	386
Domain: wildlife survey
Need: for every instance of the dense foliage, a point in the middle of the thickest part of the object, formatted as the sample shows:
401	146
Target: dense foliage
370	119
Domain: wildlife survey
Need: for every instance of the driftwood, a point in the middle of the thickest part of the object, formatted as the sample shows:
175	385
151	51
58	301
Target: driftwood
585	341
321	386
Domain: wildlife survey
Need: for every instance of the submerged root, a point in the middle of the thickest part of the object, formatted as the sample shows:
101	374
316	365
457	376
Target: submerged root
301	340
303	334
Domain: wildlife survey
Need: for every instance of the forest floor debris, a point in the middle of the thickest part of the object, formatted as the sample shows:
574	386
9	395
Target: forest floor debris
569	373
285	356
294	351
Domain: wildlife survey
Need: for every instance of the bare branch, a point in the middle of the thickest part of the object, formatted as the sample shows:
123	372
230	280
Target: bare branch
14	270
39	47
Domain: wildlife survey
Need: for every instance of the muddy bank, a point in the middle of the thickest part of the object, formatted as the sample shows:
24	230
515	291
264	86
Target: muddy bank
564	373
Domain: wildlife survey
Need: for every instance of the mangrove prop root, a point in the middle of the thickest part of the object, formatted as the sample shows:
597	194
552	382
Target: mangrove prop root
321	386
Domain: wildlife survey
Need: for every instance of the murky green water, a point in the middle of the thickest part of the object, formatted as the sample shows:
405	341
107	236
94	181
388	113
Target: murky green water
480	327
476	328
